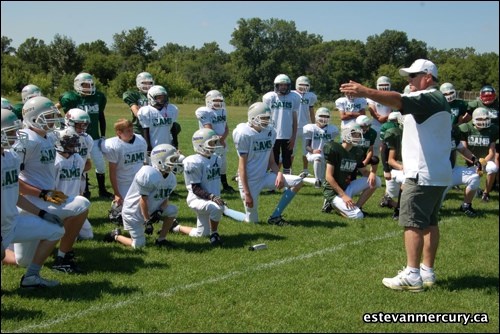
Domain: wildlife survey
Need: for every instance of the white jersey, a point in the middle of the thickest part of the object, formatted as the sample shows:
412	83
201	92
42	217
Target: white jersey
202	170
69	174
355	105
147	182
283	108
86	144
128	157
382	110
215	117
10	189
159	122
38	157
257	145
320	136
307	100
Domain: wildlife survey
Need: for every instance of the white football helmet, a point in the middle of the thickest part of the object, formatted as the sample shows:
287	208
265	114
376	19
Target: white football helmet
6	104
384	83
77	116
481	118
144	81
10	129
157	97
214	100
352	133
395	116
322	116
165	158
364	122
206	142
30	91
302	84
259	115
39	112
448	91
282	79
68	141
84	84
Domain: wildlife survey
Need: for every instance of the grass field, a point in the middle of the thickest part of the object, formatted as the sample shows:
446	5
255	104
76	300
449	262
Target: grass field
323	274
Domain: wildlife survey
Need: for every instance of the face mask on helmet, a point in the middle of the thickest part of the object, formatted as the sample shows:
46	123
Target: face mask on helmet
40	113
206	142
302	84
352	134
11	127
364	122
78	119
165	158
84	84
322	116
448	91
282	84
30	91
487	95
259	115
68	141
481	118
157	97
214	100
383	83
144	82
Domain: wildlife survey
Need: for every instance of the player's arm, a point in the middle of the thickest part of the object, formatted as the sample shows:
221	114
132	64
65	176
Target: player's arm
113	178
143	205
311	114
242	173
392	160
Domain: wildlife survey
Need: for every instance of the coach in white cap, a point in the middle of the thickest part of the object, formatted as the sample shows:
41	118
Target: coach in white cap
426	150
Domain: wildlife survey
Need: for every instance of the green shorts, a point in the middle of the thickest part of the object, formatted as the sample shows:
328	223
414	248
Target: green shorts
420	205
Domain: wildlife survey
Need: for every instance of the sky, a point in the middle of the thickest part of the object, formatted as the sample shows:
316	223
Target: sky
440	24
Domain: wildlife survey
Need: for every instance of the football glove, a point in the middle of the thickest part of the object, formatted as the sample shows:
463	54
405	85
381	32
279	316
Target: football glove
148	228
479	167
217	200
54	196
51	218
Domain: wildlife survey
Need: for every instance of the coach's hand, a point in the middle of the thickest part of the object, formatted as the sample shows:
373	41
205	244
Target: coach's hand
54	196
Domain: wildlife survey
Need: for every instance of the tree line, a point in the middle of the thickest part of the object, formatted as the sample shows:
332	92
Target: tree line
262	50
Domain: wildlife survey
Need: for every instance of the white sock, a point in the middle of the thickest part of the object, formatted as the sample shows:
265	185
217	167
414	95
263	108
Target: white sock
425	268
413	272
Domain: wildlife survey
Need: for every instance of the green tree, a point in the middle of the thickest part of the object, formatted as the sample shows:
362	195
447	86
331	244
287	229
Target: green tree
6	48
34	51
134	42
63	57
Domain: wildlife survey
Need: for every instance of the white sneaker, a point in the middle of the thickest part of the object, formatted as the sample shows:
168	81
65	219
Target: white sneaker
428	277
35	281
402	281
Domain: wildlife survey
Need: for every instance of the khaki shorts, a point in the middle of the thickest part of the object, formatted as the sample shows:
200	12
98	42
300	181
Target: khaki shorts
420	205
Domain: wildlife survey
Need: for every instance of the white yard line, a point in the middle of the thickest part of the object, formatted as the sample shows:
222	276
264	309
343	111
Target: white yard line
172	291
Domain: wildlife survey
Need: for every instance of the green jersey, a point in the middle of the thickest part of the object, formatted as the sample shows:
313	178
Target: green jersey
458	108
138	98
344	163
478	140
393	138
17	109
93	104
386	126
492	108
368	140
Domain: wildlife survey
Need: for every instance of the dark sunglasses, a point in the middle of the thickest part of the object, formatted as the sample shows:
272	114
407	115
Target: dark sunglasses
413	75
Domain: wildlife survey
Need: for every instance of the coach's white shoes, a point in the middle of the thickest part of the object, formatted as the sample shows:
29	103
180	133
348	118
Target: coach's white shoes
35	281
404	281
428	277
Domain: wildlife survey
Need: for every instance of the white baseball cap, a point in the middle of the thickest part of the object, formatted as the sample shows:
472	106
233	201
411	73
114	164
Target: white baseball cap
420	66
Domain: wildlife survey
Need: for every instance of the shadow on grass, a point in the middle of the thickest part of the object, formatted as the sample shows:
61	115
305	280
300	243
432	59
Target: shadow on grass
237	241
488	283
87	290
334	222
19	314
